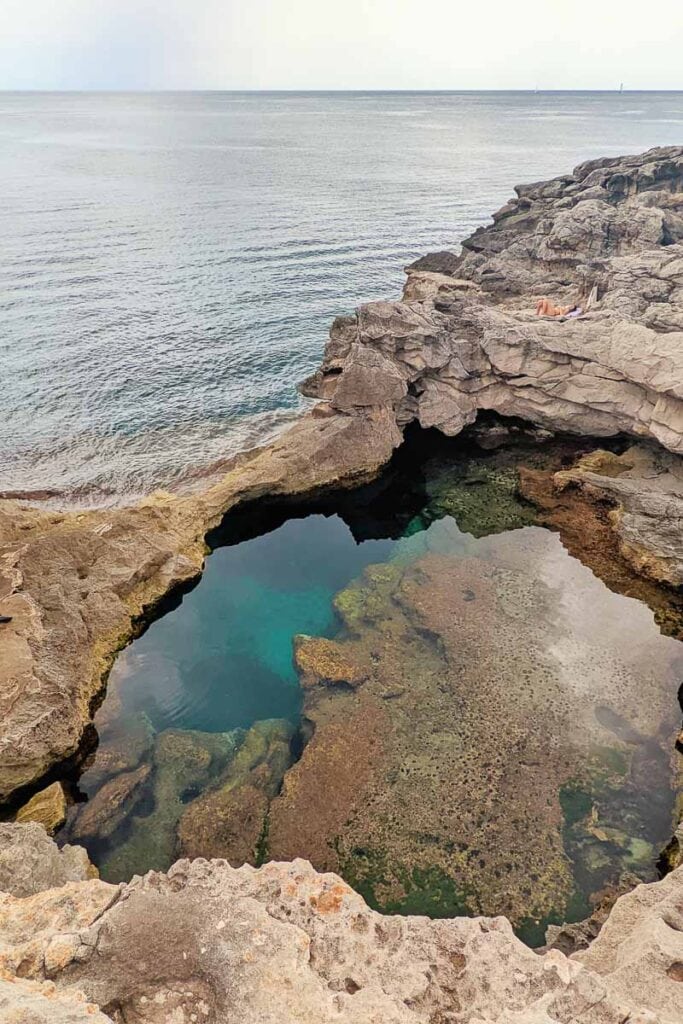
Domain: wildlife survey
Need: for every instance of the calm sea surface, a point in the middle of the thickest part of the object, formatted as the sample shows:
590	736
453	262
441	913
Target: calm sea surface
170	263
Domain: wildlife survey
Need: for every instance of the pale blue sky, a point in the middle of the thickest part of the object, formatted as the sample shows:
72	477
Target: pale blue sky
350	44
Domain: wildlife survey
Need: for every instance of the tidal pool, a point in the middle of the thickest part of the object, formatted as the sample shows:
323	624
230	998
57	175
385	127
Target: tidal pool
467	721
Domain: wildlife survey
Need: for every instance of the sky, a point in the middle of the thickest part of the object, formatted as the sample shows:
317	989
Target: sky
340	44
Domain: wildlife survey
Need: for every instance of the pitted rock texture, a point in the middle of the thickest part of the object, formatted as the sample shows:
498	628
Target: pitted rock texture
282	944
424	780
466	338
646	486
31	1002
30	861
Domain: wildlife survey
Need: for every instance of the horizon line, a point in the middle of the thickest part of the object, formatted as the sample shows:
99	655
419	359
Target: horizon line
313	91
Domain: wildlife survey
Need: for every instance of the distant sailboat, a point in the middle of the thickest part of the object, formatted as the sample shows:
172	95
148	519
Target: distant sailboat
621	87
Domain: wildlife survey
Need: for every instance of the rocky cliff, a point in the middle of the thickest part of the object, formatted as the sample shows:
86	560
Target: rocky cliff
283	944
465	338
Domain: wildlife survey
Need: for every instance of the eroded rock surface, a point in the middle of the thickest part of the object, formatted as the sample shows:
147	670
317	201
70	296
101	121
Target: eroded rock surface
466	338
646	486
31	862
48	808
283	944
74	583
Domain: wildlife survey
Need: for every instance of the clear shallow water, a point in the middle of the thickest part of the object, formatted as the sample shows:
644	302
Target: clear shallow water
223	658
171	263
208	701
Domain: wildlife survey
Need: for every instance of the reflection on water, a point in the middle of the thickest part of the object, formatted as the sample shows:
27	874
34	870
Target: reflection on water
488	727
223	659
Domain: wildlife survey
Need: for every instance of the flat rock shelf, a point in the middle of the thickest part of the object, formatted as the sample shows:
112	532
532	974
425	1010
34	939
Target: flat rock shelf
414	685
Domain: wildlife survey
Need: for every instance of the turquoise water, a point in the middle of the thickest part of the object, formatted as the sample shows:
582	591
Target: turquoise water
204	712
223	658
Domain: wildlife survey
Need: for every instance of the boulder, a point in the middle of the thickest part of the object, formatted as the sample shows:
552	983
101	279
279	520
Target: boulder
110	805
48	808
30	861
230	819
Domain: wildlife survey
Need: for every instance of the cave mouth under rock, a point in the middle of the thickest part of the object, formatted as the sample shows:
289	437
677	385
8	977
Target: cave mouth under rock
469	721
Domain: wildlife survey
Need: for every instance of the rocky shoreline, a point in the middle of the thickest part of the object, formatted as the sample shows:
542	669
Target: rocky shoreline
207	942
77	586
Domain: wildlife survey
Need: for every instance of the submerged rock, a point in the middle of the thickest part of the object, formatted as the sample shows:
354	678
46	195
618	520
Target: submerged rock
322	661
48	808
230	820
184	763
75	585
110	805
124	743
504	754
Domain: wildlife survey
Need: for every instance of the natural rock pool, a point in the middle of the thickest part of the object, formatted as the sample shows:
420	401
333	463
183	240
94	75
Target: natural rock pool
413	684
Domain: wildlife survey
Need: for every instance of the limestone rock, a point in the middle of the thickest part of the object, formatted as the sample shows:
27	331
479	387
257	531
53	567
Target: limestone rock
31	862
48	808
465	339
75	583
230	820
652	917
110	805
32	1002
283	944
646	487
319	660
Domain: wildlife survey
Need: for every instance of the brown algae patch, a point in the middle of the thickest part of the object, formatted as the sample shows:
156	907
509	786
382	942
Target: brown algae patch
488	728
508	678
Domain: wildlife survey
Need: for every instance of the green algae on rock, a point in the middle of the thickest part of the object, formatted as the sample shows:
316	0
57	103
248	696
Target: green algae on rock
183	763
513	734
442	718
229	819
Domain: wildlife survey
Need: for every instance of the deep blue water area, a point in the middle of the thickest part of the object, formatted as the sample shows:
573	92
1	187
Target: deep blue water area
223	658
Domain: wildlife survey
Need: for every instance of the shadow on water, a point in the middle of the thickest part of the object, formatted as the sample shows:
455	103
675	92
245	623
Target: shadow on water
204	711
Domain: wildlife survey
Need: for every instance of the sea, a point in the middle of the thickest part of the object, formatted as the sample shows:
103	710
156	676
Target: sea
170	263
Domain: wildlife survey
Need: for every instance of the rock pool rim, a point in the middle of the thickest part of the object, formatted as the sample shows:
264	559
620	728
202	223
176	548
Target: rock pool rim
255	516
264	515
453	346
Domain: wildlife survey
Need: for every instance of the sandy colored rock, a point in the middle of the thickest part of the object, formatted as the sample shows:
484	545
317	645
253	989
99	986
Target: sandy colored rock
74	583
282	944
319	660
32	1002
645	486
47	808
30	861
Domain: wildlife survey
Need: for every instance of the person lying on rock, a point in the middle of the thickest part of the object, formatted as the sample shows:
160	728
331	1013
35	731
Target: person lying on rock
544	307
